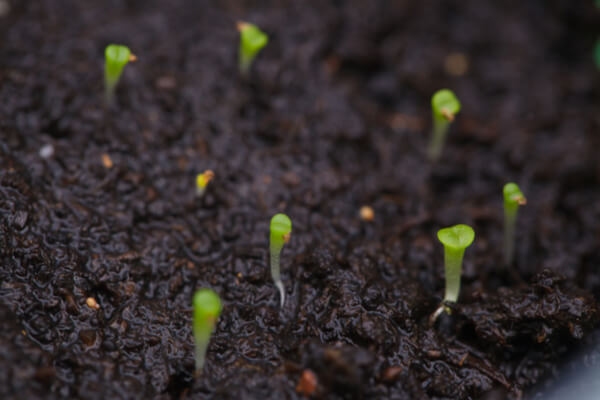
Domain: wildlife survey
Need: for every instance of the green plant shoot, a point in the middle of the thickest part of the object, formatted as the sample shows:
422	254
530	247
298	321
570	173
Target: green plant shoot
252	40
207	308
597	54
455	240
281	230
116	57
202	181
513	198
445	106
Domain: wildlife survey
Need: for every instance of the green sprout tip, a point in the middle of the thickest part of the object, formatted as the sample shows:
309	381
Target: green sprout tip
207	308
445	105
116	57
513	198
455	240
202	181
281	230
252	40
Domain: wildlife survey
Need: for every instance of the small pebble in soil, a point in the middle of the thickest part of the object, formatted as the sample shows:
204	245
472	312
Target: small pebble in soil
401	122
47	150
456	64
20	219
91	303
107	161
88	337
391	373
166	82
307	383
367	213
434	354
290	179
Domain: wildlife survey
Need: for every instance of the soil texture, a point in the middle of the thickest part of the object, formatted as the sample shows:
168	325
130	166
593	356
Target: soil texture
100	202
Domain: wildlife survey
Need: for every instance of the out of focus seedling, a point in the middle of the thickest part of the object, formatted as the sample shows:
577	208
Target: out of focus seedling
445	106
252	40
207	308
597	54
281	230
116	57
202	181
455	240
513	198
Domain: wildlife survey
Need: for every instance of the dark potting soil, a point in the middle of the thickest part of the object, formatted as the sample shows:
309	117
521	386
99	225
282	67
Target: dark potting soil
335	115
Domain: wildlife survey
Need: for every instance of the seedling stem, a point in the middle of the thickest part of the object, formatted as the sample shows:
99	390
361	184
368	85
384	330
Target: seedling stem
116	57
252	40
281	230
455	240
207	308
597	54
513	198
445	106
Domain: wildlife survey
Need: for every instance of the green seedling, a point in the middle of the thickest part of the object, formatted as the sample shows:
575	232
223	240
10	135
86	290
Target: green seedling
116	57
202	181
455	240
207	308
513	198
281	230
252	40
597	54
445	106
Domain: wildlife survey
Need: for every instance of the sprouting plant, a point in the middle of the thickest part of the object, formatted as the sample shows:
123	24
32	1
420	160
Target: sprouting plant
455	240
597	53
281	230
252	40
513	198
207	307
202	180
116	57
445	106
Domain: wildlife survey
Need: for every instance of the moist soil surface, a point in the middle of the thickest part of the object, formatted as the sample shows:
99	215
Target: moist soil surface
335	114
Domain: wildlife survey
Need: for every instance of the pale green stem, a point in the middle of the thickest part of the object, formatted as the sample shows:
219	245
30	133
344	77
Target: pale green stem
453	267
109	89
275	251
510	220
245	61
201	346
438	137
